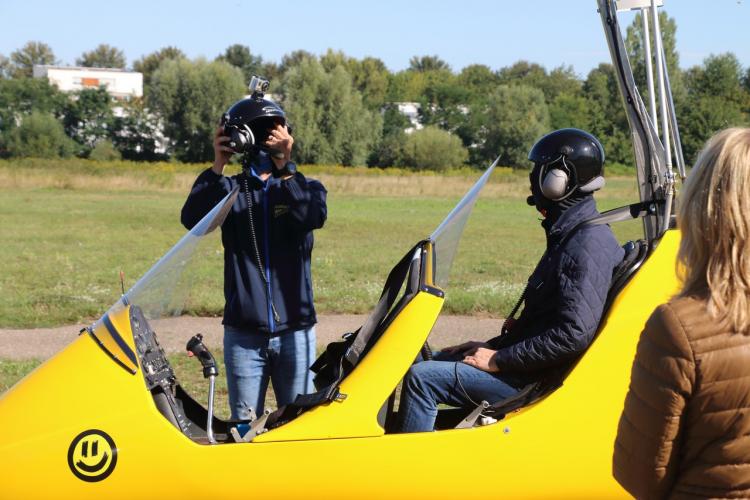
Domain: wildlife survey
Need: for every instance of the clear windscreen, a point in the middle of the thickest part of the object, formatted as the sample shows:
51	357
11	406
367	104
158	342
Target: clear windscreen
447	235
163	290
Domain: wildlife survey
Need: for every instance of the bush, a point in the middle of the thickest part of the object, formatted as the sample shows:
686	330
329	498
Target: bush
40	135
434	149
517	116
104	150
189	97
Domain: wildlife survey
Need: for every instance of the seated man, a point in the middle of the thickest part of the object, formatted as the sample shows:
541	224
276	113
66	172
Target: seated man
563	301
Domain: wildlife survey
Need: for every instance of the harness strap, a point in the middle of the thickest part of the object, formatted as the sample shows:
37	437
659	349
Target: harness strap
387	298
627	212
354	352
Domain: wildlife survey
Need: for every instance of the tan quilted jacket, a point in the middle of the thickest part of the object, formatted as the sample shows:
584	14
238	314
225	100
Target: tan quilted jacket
685	429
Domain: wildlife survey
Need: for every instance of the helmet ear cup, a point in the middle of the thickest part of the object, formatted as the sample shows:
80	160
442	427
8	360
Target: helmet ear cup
241	138
554	185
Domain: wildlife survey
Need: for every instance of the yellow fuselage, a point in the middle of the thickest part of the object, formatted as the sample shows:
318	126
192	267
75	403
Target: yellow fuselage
560	447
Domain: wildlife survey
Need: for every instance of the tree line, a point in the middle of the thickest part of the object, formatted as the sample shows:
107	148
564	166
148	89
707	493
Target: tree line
344	110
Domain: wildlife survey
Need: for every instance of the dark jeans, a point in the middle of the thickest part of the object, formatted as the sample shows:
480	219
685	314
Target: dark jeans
448	381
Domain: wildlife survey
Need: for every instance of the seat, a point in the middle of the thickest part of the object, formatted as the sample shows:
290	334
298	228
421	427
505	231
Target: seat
335	363
635	255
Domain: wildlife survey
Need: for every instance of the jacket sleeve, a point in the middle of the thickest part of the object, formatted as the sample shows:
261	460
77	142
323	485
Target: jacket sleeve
209	188
647	446
307	201
573	324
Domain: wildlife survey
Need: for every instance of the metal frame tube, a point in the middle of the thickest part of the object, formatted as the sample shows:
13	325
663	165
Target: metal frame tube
662	90
674	128
649	69
647	146
661	69
209	424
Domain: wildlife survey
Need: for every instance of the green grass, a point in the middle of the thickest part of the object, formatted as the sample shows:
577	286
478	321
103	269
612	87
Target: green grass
12	371
66	235
190	376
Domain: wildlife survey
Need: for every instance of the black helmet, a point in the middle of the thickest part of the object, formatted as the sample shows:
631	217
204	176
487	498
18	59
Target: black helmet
247	121
566	161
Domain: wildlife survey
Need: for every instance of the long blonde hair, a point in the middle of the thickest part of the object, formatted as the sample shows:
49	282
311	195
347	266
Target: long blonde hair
714	218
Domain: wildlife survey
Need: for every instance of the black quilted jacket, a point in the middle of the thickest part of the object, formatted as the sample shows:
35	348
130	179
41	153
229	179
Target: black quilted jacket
565	298
285	212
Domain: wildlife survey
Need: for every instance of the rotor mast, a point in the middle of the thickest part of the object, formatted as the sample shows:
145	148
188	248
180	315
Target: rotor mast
653	151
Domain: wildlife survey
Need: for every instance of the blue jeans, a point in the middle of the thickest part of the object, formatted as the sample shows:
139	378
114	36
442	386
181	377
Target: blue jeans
448	381
252	358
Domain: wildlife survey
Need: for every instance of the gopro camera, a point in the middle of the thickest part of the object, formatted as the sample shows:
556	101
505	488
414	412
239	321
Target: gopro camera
258	86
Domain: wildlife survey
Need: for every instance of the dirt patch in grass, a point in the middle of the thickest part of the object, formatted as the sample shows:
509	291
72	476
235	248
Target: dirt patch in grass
173	333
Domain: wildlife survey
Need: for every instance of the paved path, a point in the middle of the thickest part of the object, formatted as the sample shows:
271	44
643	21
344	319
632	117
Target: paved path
41	343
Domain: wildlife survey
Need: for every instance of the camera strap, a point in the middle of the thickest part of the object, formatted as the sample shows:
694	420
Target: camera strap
254	240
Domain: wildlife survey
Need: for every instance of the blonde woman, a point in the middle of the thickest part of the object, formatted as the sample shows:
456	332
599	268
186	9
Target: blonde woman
685	429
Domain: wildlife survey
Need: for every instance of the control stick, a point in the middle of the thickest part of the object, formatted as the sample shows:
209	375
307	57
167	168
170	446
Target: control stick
196	347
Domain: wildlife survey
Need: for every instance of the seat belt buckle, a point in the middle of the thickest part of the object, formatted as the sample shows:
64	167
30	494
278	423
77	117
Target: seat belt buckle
336	396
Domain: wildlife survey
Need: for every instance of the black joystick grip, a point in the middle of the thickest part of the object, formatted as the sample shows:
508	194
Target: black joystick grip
197	348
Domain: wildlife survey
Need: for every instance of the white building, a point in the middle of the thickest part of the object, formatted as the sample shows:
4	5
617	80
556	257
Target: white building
120	84
411	111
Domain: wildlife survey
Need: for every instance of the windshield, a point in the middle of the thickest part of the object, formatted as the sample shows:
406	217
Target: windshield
447	235
163	290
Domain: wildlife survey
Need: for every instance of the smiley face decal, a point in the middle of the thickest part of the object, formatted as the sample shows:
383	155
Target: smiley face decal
92	455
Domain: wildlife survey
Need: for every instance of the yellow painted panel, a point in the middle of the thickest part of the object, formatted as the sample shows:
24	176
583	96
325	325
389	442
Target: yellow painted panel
125	353
371	382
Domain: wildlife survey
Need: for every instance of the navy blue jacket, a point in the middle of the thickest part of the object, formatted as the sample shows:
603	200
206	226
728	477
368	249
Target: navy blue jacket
285	212
565	298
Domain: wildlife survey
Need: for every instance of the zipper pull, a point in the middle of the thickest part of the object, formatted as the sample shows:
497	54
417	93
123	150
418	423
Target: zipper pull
276	316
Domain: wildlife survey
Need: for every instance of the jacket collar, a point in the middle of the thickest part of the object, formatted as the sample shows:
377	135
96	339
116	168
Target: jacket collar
257	182
581	211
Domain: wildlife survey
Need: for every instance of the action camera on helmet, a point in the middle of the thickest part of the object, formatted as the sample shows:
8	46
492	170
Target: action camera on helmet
258	85
248	122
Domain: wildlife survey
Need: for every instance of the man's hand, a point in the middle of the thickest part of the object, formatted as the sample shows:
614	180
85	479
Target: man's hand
222	153
464	348
280	140
482	358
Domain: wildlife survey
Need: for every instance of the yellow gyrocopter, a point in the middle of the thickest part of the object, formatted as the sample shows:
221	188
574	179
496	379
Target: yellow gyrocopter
107	418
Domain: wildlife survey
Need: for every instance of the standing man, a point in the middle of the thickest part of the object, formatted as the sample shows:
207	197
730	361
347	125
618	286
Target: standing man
269	316
563	301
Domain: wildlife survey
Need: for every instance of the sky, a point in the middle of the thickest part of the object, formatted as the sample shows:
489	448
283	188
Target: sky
495	33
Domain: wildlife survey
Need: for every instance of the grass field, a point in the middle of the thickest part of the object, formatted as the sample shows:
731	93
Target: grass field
12	371
67	232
